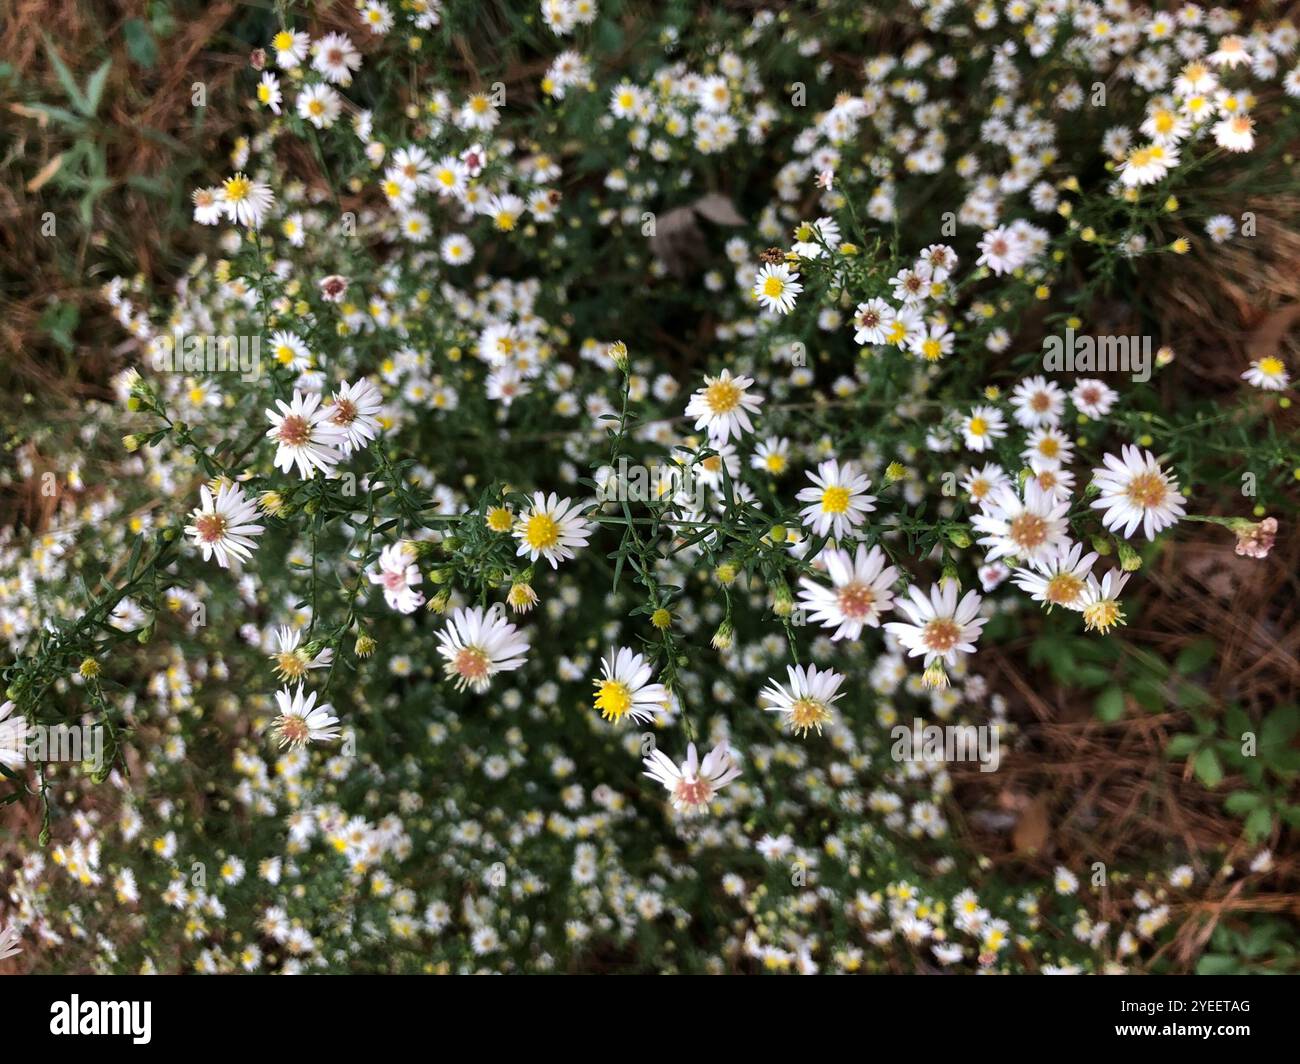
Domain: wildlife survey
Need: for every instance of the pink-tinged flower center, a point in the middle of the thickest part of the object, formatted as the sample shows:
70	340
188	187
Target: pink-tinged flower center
345	412
210	527
471	664
292	730
1090	396
941	635
1028	531
693	793
394	579
1041	401
294	431
856	601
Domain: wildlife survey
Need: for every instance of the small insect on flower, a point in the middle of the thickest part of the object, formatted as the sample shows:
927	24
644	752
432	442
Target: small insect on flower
694	783
301	721
838	502
221	525
305	435
777	287
1135	492
808	700
551	528
397	573
861	591
479	643
625	688
723	406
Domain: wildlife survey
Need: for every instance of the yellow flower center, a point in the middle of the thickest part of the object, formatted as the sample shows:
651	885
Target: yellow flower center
541	532
722	396
773	287
613	699
1063	589
978	426
808	713
1270	366
237	188
835	500
1146	490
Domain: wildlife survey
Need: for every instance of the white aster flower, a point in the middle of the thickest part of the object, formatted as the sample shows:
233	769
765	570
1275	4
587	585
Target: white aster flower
222	523
479	643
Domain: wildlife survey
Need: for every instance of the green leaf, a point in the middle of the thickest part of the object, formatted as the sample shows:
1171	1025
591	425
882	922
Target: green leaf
140	45
1242	802
1259	823
1110	703
1208	768
1182	745
1217	964
95	86
69	83
1195	656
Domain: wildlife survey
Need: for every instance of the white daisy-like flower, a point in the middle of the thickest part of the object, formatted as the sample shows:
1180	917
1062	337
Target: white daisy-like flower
1236	133
268	92
320	105
1059	579
982	426
695	782
1268	373
9	938
1100	609
983	484
1055	480
222	524
838	501
305	435
301	721
479	643
551	528
354	408
245	201
13	738
723	406
209	205
776	287
1048	444
874	321
1038	401
1135	492
625	688
289	350
860	591
397	573
1031	527
292	661
807	703
1147	164
290	48
1093	398
772	456
941	628
336	58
